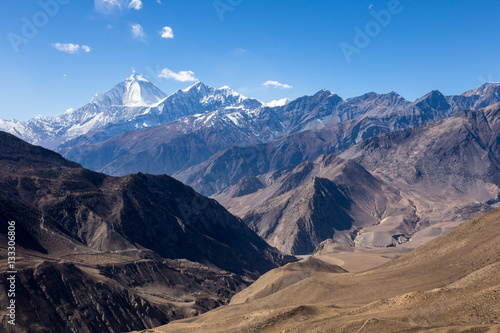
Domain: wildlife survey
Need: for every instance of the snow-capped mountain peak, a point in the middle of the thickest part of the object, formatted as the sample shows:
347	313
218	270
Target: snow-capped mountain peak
198	86
134	103
136	90
201	98
483	90
137	77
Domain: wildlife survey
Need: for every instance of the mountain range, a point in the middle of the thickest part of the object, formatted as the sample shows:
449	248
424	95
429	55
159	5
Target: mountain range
188	141
369	177
173	133
276	159
137	250
402	187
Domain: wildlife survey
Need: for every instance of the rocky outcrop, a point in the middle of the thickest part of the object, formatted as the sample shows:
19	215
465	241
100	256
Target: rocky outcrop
62	298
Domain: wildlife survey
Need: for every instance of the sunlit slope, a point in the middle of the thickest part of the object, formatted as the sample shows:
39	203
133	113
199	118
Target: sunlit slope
451	284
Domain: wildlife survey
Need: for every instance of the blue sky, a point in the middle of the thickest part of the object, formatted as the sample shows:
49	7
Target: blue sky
85	47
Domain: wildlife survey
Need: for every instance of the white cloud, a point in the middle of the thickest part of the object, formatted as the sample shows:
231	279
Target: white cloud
135	4
138	32
167	33
71	48
110	6
182	76
276	84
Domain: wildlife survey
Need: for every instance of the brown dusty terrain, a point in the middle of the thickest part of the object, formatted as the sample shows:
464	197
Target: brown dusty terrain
356	259
450	284
146	292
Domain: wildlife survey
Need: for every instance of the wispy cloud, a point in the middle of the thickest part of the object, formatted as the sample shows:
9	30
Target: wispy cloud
138	32
238	51
276	84
135	4
167	33
111	6
71	48
182	76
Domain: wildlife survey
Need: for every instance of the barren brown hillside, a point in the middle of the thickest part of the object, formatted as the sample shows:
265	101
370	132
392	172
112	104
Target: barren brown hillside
451	284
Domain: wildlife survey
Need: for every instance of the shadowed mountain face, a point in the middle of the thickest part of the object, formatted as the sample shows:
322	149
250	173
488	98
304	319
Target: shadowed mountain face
450	284
193	137
459	153
401	187
99	244
363	117
299	208
127	214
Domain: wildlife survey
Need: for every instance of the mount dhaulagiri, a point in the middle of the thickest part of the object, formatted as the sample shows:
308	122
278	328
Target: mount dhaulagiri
132	104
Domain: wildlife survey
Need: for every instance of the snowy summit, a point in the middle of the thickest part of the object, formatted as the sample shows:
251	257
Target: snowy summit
136	90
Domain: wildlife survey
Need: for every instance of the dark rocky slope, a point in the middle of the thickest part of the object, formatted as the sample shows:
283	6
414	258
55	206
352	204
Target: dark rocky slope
133	213
95	251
